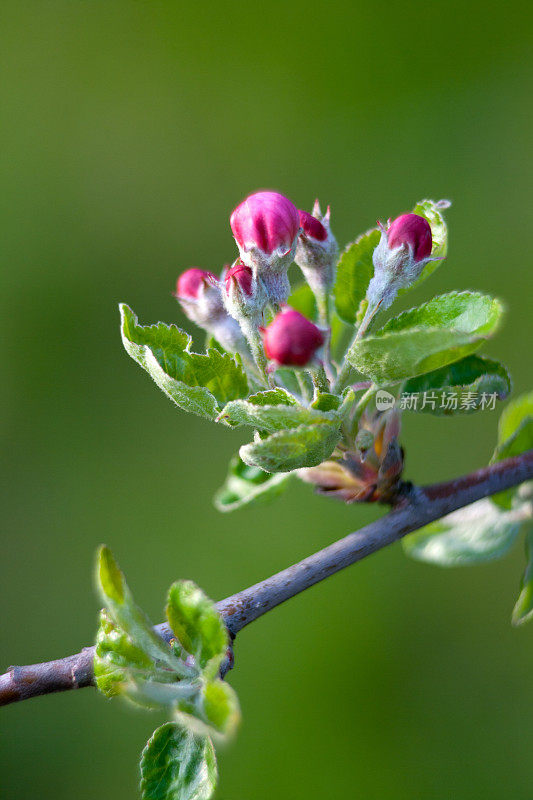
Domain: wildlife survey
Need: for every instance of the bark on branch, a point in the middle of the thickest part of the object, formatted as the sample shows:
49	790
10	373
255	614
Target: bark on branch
414	508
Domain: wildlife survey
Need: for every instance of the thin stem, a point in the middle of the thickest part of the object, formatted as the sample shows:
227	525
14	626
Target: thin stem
414	507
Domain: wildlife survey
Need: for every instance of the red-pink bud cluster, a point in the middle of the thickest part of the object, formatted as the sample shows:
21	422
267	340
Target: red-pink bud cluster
291	339
198	292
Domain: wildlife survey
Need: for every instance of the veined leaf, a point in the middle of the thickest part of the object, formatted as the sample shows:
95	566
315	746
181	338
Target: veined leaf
196	623
479	532
178	765
287	450
475	378
194	382
116	657
354	272
273	418
426	338
245	485
273	397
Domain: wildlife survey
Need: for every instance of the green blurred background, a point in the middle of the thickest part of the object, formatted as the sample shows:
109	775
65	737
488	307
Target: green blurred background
130	130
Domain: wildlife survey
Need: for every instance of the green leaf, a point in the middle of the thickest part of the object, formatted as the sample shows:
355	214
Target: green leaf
354	272
284	451
196	623
324	401
514	415
116	657
303	300
273	418
245	485
439	232
196	383
480	532
471	384
273	397
523	610
127	616
220	707
178	765
426	338
515	436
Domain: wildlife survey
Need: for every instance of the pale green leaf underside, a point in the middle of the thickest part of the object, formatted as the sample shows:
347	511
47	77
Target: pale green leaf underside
245	485
178	765
354	272
480	532
426	338
304	446
475	375
273	418
194	382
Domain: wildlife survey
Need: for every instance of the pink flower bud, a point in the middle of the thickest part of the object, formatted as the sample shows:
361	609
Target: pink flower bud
411	231
241	276
199	295
312	227
245	297
316	254
266	227
399	259
291	339
266	221
191	281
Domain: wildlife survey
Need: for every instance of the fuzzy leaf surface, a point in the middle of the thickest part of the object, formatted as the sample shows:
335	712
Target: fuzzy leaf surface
178	765
273	418
245	485
472	374
195	382
287	450
426	338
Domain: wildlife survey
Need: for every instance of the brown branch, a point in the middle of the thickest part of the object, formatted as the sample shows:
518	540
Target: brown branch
414	508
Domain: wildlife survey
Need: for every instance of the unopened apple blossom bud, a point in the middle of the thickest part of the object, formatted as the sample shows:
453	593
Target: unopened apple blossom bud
291	339
244	294
199	294
245	300
266	226
402	253
317	250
